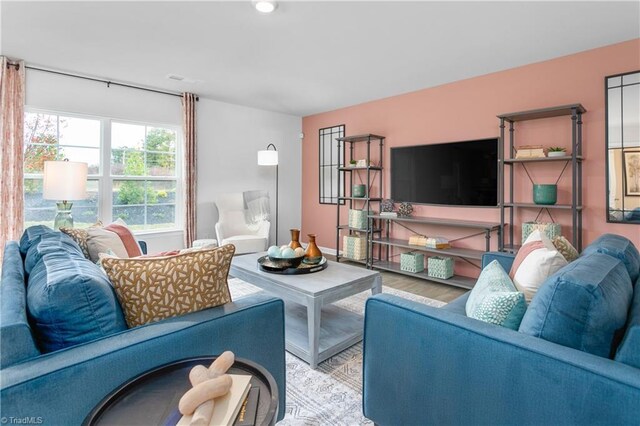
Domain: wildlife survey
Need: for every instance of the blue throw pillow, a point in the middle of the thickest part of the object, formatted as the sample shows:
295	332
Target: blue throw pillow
495	299
582	306
69	300
619	247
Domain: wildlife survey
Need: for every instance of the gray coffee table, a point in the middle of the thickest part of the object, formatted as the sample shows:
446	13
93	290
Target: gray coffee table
314	328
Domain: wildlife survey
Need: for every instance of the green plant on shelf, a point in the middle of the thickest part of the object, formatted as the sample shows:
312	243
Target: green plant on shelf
557	149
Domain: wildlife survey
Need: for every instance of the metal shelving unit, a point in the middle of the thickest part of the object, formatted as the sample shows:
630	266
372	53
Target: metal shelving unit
575	160
370	174
385	262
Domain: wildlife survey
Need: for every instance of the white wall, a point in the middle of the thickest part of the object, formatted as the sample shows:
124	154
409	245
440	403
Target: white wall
229	137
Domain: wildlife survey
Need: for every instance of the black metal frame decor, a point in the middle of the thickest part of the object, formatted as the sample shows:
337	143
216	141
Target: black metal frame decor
329	164
625	148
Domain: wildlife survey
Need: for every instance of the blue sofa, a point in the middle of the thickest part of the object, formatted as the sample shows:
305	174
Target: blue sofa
425	365
61	386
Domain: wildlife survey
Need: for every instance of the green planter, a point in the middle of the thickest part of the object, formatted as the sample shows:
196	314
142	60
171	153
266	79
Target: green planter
545	194
357	191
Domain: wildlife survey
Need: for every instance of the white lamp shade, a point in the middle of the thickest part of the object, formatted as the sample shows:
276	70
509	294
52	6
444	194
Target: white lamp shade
65	180
267	158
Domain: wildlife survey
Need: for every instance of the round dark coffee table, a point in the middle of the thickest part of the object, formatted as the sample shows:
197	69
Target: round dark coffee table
152	397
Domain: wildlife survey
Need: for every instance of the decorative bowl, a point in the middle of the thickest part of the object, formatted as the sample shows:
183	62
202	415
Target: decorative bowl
286	262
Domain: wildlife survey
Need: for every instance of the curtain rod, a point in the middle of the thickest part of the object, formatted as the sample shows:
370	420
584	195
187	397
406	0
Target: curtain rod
107	82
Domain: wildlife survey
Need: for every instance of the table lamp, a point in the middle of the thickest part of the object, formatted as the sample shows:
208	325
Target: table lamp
63	181
269	157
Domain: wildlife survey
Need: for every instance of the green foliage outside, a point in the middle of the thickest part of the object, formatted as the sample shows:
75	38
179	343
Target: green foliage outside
39	129
133	192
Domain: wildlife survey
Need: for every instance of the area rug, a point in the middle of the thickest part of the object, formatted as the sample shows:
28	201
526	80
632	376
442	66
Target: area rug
331	394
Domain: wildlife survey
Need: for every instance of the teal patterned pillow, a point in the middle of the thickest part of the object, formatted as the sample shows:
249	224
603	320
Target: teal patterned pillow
495	299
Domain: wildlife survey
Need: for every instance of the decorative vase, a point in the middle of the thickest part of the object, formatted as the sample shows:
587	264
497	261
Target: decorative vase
295	238
545	194
357	191
313	253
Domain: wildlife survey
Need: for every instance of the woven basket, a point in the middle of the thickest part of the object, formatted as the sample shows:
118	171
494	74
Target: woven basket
551	230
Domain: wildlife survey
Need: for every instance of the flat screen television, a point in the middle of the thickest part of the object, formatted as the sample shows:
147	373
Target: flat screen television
452	174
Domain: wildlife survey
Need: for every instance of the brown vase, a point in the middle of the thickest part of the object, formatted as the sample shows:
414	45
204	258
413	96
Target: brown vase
295	239
313	253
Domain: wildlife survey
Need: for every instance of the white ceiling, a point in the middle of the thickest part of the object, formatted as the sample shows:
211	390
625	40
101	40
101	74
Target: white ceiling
307	57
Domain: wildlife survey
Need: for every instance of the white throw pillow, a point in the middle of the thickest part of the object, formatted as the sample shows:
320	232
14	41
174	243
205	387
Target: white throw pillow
536	261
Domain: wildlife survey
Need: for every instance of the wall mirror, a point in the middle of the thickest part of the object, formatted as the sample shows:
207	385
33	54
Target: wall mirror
622	97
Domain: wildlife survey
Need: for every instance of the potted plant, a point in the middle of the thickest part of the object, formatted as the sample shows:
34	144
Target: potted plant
352	163
556	151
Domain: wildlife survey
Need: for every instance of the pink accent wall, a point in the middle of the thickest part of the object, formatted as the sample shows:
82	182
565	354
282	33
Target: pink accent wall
466	110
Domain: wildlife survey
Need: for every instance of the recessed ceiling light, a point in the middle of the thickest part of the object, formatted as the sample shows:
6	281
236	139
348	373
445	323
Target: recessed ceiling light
265	6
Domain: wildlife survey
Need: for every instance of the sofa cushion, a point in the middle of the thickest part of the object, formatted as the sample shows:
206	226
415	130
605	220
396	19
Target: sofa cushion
31	236
582	306
629	350
620	248
494	298
152	289
536	261
48	243
69	300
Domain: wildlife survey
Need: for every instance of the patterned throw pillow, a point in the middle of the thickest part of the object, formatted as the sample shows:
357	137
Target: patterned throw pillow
565	248
494	298
152	289
536	261
80	236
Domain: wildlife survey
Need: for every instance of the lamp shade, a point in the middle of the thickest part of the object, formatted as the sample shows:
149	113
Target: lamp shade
267	158
65	180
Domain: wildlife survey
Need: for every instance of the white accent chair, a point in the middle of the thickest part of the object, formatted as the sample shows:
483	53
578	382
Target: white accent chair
232	227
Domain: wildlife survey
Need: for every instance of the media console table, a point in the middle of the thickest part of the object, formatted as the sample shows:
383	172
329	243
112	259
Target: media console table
462	253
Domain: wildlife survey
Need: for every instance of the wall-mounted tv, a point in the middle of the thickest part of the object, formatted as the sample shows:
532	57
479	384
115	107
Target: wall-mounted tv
453	174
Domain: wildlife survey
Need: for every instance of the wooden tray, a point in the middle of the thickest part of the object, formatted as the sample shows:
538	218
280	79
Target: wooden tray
265	264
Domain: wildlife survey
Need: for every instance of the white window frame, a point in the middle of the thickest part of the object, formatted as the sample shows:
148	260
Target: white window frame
105	178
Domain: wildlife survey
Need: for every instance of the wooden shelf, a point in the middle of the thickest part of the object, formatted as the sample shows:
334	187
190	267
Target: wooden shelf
360	198
453	251
542	206
350	169
536	114
489	226
541	159
360	138
456	280
358	229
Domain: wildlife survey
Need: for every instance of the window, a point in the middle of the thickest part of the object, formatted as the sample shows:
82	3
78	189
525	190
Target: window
331	157
133	169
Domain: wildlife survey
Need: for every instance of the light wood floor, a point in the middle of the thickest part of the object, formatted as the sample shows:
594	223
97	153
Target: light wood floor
430	289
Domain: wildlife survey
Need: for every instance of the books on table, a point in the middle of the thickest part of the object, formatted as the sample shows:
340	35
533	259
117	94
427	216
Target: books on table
226	407
249	409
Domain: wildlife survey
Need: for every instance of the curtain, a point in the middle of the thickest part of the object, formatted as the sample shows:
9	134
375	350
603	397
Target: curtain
189	129
12	153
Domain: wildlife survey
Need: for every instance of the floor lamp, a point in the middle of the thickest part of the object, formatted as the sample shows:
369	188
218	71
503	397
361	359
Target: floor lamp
269	157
